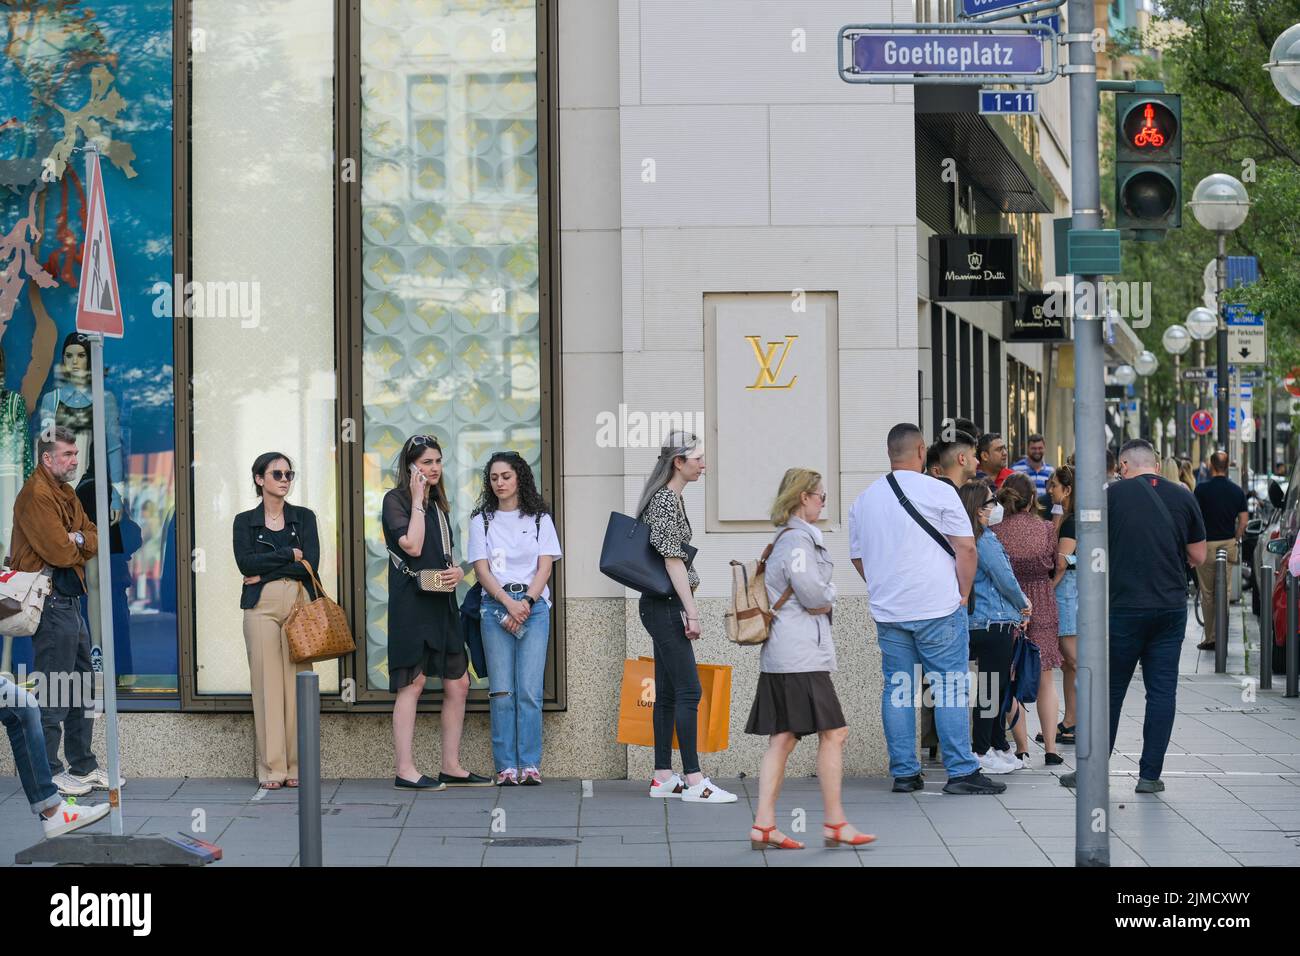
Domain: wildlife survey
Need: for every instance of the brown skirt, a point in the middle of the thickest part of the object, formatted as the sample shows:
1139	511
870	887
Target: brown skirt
799	704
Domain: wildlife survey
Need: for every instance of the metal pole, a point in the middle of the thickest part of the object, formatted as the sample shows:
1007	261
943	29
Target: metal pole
103	526
1221	611
1092	750
309	807
1179	427
1265	584
1221	346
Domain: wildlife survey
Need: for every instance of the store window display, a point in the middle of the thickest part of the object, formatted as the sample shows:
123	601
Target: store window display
15	466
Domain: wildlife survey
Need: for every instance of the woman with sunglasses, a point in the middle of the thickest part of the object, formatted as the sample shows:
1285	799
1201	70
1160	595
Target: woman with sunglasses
271	542
997	604
513	545
424	635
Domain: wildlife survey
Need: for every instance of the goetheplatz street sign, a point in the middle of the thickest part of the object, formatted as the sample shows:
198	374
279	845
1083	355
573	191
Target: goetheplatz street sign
962	54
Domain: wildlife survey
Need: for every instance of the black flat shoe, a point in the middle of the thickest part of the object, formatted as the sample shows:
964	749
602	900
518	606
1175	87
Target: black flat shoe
1024	756
908	784
1065	735
424	783
1052	760
472	780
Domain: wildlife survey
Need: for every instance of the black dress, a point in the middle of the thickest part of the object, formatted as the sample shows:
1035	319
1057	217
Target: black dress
424	634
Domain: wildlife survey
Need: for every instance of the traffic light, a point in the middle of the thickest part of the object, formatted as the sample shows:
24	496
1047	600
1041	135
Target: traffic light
1148	163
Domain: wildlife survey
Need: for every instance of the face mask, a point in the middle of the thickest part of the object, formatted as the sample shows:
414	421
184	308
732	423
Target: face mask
995	516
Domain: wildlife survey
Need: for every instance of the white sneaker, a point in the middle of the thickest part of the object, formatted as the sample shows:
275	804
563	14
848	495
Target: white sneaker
706	791
990	763
1009	758
674	786
68	816
98	779
71	786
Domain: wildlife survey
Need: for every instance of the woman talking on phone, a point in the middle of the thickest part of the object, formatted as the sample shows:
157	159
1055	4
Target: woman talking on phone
424	635
674	623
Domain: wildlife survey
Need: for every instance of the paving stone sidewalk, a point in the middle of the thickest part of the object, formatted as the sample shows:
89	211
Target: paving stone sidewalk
1232	798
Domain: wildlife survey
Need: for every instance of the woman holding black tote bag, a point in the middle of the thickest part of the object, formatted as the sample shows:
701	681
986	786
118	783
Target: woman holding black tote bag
673	622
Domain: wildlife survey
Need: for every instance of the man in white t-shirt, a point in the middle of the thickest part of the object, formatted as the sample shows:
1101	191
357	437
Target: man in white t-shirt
919	569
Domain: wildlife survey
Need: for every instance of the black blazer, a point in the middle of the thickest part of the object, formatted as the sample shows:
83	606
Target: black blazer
256	554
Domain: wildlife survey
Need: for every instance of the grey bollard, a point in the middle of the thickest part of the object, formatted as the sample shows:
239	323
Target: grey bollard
1292	641
1221	611
309	808
1265	585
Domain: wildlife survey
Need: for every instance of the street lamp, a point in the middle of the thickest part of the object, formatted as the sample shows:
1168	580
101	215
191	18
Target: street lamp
1145	365
1176	341
1284	67
1201	323
1220	204
1124	375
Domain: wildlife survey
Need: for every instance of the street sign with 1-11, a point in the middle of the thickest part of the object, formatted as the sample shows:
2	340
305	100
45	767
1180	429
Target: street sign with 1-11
1000	102
1246	335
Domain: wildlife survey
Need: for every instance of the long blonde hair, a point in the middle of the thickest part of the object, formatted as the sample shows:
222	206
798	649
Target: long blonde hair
795	483
1169	470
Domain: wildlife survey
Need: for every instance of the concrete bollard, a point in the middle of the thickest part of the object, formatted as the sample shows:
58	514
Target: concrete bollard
1221	611
1265	584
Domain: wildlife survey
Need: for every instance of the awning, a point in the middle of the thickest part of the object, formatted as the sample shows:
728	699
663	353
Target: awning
986	147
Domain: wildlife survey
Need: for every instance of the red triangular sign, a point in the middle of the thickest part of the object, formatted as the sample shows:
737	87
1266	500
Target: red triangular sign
99	306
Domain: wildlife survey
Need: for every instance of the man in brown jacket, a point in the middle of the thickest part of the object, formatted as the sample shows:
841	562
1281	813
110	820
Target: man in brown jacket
51	530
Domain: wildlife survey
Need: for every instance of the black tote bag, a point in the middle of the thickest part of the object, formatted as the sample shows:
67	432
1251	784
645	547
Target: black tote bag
628	557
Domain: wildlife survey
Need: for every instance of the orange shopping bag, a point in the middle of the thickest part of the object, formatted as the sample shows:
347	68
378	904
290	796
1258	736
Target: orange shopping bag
636	706
636	701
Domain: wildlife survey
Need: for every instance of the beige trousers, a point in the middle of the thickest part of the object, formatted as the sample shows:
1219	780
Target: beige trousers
272	674
1205	576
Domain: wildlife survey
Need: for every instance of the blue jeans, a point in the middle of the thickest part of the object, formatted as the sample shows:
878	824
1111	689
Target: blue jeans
1154	637
516	679
940	648
22	720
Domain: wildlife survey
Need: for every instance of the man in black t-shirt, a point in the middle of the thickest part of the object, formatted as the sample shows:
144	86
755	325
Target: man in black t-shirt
1155	532
1223	508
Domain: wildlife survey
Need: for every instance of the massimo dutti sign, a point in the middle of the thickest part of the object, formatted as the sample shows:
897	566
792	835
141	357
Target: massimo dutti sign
1031	319
973	268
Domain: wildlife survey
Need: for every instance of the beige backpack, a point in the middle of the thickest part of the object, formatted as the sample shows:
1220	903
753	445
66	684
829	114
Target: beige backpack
749	620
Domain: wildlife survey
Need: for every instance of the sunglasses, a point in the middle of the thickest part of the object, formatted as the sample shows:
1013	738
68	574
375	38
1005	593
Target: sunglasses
279	475
988	504
818	494
423	440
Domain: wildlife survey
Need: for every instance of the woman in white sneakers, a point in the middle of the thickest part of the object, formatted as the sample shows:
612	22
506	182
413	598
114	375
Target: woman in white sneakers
795	695
674	622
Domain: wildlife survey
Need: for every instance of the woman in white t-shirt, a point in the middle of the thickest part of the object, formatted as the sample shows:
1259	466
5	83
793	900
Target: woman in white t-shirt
513	545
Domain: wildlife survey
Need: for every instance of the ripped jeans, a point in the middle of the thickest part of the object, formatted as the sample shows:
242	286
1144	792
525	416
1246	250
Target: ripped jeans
516	678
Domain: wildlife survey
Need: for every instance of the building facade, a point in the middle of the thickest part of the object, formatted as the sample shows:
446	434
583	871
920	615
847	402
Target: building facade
557	226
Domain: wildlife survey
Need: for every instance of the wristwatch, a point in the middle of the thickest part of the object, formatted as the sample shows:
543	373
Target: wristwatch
80	539
530	599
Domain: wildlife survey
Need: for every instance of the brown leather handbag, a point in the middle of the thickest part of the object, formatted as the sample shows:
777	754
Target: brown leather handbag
318	630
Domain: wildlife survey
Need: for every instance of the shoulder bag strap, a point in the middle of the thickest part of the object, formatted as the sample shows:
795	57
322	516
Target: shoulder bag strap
1162	510
919	518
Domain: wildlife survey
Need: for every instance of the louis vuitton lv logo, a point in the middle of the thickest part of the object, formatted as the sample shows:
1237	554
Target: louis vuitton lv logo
767	375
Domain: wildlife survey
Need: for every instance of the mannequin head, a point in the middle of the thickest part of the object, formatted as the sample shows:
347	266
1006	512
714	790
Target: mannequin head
74	359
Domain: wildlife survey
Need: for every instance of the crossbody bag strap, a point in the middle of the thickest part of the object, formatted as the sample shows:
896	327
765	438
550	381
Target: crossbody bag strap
1162	510
919	518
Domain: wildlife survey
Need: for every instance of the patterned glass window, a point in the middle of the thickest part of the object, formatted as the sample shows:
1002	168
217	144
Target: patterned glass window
451	336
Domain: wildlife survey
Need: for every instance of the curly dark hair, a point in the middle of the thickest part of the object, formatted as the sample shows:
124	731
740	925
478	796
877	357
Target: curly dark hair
531	501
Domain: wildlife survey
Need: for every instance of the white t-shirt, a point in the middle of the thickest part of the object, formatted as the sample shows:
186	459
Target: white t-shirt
512	546
909	577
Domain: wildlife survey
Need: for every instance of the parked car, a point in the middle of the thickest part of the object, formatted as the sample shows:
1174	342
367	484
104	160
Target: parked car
1278	534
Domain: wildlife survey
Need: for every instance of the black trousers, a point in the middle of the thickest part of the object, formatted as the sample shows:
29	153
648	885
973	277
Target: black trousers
992	650
677	682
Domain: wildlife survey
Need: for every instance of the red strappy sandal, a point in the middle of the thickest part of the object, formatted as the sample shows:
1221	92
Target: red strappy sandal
763	844
862	839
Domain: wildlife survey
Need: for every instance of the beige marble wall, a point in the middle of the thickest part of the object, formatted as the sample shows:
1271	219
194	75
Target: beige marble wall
579	742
